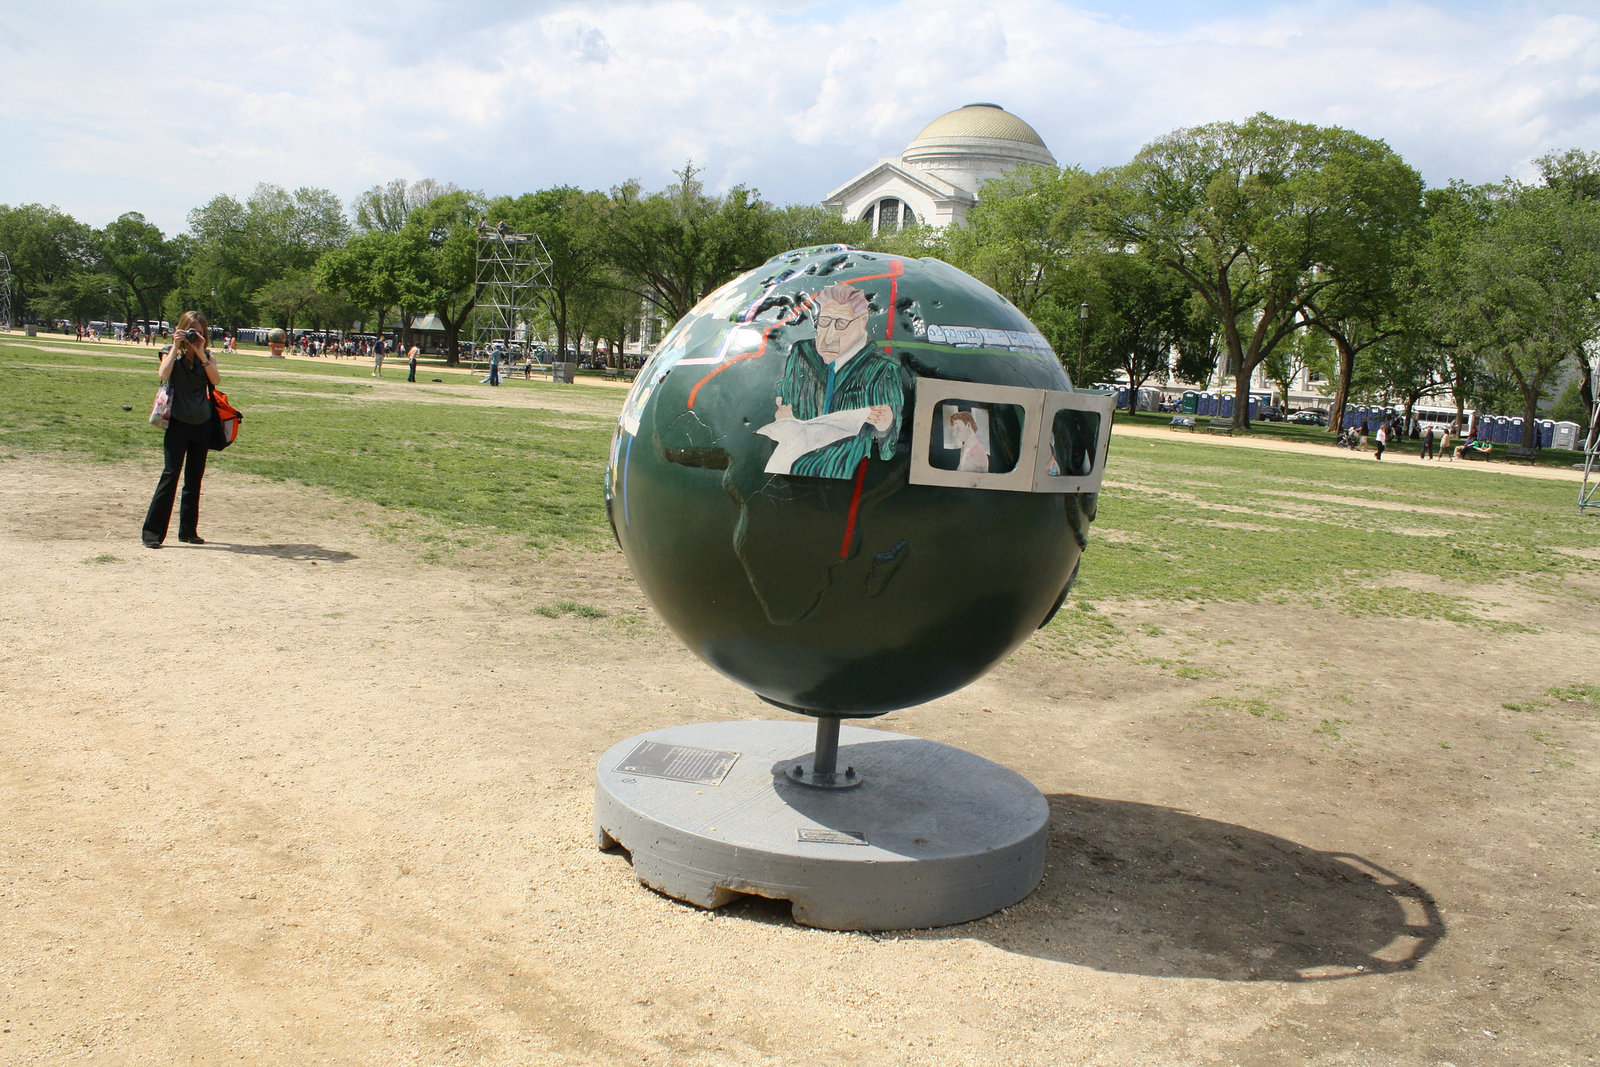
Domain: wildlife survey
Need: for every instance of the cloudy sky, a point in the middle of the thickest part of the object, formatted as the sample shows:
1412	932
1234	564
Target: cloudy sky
107	107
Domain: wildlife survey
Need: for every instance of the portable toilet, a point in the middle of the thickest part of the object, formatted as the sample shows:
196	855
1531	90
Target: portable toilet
1255	408
1225	406
1190	404
1565	435
1547	433
1514	431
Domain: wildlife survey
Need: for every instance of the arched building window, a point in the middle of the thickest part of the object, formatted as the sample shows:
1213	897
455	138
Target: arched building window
889	215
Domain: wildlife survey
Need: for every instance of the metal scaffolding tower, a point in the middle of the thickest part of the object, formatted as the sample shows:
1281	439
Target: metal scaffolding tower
513	270
5	292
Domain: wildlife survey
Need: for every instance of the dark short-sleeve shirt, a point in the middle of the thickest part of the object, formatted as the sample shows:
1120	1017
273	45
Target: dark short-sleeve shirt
190	402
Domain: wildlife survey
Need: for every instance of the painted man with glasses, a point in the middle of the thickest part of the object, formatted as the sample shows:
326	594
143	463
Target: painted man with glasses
839	397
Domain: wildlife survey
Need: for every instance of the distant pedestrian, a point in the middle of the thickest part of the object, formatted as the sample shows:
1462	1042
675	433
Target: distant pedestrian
1444	448
411	364
1382	440
377	358
1427	444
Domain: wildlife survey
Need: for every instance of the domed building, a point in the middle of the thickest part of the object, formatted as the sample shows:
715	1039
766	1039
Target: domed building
936	179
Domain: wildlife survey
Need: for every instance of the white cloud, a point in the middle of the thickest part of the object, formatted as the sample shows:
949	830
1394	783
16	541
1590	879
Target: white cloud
185	102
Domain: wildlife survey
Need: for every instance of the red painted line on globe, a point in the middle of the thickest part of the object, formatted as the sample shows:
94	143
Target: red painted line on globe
861	468
855	506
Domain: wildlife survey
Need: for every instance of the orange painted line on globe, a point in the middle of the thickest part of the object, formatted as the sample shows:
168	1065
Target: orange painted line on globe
766	333
855	506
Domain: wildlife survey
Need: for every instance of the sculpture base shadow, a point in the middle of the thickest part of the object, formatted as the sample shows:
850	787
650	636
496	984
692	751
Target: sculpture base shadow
1139	889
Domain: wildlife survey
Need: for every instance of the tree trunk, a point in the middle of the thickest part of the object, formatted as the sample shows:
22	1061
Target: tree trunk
1586	393
1341	392
1530	413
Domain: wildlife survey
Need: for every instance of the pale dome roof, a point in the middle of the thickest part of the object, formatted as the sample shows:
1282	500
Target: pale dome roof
990	121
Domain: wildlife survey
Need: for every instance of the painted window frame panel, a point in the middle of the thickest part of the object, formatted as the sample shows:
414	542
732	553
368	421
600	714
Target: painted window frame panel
1039	408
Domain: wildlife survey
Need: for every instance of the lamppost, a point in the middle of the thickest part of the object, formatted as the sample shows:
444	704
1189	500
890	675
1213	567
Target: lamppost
1083	339
111	310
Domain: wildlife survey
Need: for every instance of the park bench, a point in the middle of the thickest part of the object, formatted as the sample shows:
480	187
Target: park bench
1522	452
613	373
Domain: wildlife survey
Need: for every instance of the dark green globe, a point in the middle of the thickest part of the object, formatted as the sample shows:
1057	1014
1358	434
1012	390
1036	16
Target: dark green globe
761	482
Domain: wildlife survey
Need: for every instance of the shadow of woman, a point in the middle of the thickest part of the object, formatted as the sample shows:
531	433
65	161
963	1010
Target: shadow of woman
316	553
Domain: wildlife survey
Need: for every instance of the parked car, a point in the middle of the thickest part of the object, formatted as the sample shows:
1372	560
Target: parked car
1309	418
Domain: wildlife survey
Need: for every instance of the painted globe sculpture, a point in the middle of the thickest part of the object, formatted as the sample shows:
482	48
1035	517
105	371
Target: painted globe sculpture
853	482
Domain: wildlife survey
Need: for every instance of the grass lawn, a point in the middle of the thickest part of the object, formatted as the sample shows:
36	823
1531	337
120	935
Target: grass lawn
1184	519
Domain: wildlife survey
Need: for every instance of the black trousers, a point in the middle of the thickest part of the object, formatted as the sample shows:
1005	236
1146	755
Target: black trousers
183	449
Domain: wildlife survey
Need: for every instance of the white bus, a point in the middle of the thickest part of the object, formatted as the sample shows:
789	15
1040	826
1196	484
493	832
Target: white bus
1441	418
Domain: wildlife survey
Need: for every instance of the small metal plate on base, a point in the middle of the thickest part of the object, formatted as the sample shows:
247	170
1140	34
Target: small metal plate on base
679	763
934	836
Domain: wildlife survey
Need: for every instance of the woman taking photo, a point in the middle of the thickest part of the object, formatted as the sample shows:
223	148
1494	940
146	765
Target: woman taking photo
187	367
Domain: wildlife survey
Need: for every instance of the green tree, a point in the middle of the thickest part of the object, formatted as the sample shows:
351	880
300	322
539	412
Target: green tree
440	245
1305	350
1576	173
672	248
567	221
1137	312
139	256
1262	218
45	247
1022	235
82	296
286	297
387	207
238	248
1569	406
808	225
376	271
1527	285
1199	344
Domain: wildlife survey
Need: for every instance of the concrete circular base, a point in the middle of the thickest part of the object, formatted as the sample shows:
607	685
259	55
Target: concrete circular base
933	836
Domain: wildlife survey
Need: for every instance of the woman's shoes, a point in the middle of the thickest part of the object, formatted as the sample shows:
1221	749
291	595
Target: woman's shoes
149	543
194	539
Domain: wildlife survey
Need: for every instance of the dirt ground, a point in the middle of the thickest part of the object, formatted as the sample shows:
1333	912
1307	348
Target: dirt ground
295	797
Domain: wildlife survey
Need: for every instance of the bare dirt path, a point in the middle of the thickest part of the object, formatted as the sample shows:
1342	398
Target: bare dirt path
1405	454
293	797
